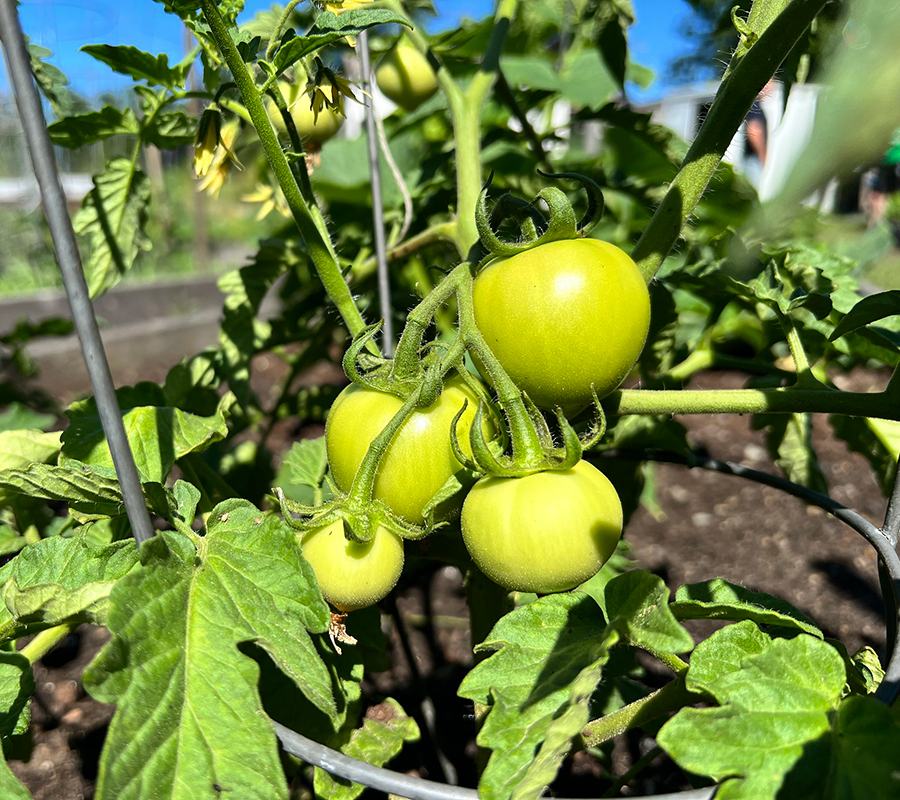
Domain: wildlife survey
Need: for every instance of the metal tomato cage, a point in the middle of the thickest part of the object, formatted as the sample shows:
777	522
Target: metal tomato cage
884	539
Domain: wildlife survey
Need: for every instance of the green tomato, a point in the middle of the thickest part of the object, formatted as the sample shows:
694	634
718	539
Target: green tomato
563	316
352	575
406	77
419	459
546	532
310	129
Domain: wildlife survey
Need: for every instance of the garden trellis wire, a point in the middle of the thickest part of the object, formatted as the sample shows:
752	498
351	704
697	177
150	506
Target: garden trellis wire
883	540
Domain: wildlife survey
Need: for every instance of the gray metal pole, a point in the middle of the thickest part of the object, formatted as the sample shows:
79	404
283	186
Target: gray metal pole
69	260
384	285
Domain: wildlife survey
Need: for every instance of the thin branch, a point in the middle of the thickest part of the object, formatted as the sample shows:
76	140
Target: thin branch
398	177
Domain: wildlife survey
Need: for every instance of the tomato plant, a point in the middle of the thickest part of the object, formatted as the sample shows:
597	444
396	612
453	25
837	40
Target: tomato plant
352	574
252	463
545	532
418	461
406	77
563	317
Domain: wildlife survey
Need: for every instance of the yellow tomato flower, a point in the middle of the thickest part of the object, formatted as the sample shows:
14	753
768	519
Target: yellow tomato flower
338	7
222	160
206	141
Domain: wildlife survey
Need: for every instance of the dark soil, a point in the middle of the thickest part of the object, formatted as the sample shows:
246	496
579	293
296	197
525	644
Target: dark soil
708	525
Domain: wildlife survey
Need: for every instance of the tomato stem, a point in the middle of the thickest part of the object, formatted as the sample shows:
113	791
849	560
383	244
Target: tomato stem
751	67
312	229
526	443
465	113
406	357
362	488
46	640
671	697
789	400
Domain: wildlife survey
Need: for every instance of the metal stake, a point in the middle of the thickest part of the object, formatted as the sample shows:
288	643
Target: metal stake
69	260
384	285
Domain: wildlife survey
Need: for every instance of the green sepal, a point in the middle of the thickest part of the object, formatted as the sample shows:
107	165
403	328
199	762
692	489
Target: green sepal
363	368
534	228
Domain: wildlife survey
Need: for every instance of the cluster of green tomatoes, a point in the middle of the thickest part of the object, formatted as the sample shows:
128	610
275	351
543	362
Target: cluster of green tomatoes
566	320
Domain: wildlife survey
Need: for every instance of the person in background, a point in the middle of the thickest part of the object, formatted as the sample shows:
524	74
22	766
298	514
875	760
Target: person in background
883	181
757	130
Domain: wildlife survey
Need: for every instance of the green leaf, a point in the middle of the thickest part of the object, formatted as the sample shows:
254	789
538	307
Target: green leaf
773	702
91	492
612	21
20	417
9	784
188	712
330	28
63	579
50	80
186	497
306	462
719	599
128	60
158	434
384	731
355	21
170	130
638	433
532	72
94	126
856	758
16	688
112	217
637	604
538	685
23	447
585	81
868	310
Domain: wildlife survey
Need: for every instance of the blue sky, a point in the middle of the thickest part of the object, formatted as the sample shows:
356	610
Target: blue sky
65	25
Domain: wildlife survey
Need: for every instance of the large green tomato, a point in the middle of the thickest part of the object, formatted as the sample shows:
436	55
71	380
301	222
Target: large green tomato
419	460
353	575
310	129
563	316
546	532
406	77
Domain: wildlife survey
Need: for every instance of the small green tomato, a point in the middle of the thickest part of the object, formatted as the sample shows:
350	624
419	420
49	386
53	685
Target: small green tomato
352	575
546	532
418	461
406	77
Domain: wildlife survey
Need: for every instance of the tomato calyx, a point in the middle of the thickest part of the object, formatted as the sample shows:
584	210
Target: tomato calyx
535	228
490	458
361	521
